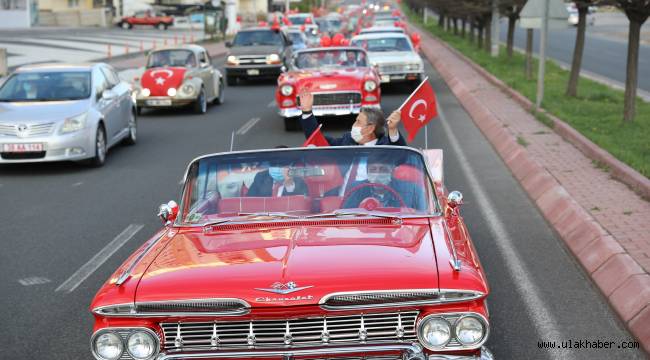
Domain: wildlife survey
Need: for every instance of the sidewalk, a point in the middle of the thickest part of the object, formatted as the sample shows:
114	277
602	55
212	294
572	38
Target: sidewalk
604	223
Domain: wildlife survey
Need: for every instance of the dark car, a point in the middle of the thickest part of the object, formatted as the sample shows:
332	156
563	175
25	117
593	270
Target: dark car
257	52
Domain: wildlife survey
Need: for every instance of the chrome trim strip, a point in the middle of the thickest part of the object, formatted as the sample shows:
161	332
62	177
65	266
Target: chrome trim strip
486	354
455	262
452	326
135	313
124	340
414	351
127	273
441	298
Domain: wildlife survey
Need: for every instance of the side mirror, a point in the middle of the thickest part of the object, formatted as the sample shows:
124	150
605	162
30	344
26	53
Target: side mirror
168	212
228	44
289	42
455	199
109	94
283	69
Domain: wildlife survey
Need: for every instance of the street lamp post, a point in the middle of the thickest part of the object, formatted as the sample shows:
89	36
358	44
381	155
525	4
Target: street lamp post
495	28
542	56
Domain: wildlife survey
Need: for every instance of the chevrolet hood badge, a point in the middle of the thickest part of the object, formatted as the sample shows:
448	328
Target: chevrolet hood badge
288	288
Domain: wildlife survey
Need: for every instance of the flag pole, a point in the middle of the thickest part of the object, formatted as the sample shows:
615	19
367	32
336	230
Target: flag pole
414	91
426	136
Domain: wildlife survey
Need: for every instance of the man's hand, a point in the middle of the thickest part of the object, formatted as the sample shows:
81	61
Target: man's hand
306	99
393	122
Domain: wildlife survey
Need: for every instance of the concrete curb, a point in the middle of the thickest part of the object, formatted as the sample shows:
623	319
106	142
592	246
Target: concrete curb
619	170
625	285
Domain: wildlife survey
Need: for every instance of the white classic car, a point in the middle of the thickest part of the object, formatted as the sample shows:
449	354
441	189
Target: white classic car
394	56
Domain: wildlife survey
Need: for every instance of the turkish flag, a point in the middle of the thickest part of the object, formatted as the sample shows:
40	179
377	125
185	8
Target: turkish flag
419	109
316	139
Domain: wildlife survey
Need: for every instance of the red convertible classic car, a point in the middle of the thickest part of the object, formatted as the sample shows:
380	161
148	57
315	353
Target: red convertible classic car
310	253
340	78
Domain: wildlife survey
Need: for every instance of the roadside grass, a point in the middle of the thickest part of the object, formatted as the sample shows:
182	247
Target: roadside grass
597	112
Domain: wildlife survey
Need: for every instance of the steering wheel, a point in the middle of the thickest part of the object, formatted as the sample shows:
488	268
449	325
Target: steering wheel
357	188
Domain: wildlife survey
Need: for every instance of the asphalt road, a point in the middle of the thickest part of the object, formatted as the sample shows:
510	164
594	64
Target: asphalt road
57	217
602	56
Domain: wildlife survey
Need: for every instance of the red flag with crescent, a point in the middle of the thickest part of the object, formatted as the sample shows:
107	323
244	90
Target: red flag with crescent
316	139
419	109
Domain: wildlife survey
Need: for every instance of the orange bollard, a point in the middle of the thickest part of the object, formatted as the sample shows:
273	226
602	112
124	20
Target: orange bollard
109	51
175	40
183	39
153	44
141	46
164	41
192	38
126	48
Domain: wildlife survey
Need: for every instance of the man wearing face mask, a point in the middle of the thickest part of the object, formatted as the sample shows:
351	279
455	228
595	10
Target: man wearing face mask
379	178
276	182
367	130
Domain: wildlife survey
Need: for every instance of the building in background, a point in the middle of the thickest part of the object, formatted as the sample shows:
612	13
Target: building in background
18	13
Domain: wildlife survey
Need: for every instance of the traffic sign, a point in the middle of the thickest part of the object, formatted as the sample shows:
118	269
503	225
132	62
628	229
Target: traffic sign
531	16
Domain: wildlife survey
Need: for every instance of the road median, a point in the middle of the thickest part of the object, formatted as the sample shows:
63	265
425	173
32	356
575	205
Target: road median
602	221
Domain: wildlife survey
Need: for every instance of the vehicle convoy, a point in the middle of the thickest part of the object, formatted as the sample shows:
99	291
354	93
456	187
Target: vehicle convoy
341	79
394	55
257	52
180	76
147	18
55	112
358	253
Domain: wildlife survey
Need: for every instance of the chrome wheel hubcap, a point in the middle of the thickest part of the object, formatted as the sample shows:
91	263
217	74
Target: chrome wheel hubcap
133	128
101	145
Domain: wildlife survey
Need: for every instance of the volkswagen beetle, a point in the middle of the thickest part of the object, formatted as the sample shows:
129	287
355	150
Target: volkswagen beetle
311	253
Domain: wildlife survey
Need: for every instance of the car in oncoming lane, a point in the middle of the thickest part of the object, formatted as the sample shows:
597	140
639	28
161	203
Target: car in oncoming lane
358	253
340	78
394	56
179	76
55	112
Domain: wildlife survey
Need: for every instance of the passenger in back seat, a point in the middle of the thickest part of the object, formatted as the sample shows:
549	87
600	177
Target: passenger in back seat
276	182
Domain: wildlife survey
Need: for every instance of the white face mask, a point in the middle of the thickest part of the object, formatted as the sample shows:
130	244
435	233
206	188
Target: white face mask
356	133
379	178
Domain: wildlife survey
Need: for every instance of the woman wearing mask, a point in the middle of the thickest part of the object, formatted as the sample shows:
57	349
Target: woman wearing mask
368	129
276	182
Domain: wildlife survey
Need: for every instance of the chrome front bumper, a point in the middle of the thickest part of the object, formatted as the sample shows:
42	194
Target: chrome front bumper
327	110
409	352
157	101
78	145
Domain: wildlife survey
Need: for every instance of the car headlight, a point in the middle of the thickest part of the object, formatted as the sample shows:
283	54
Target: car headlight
413	66
273	58
145	92
286	90
434	332
232	60
188	89
141	345
108	346
171	91
369	85
75	123
469	330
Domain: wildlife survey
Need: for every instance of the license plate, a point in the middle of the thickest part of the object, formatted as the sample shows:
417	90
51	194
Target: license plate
385	78
20	148
252	72
160	102
398	77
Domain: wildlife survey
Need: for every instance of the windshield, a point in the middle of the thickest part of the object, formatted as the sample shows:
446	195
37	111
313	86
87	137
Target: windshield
298	19
307	183
257	37
383	44
331	59
182	58
46	86
296	38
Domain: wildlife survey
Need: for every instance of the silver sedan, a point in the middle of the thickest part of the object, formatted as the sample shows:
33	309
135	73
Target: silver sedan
64	112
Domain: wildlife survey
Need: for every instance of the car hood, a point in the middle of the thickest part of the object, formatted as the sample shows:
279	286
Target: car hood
401	57
329	79
159	80
261	50
323	259
28	112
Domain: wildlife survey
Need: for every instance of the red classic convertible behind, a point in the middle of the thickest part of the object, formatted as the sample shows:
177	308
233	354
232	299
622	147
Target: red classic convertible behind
310	253
340	78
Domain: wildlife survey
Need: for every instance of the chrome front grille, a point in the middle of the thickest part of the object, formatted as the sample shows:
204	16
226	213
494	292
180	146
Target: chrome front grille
380	299
341	98
291	333
252	59
24	131
206	306
388	68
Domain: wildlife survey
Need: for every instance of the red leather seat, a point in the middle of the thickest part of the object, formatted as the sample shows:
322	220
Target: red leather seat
265	204
408	173
319	185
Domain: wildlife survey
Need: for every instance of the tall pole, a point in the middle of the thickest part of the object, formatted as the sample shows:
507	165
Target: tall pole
542	56
495	29
286	6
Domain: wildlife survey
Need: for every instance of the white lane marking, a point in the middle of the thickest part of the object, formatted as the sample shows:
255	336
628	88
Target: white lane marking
34	280
271	104
247	126
77	184
96	261
543	319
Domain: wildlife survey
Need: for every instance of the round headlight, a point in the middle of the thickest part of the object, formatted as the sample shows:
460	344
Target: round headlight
370	85
171	91
274	58
434	332
146	92
108	346
469	330
141	345
188	89
286	90
232	59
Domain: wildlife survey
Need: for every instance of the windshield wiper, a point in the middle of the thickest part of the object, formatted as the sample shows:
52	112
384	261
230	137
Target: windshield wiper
353	213
276	215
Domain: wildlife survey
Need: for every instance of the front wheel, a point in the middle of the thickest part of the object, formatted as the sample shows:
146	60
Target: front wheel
126	25
201	103
222	95
100	148
133	130
291	124
162	26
